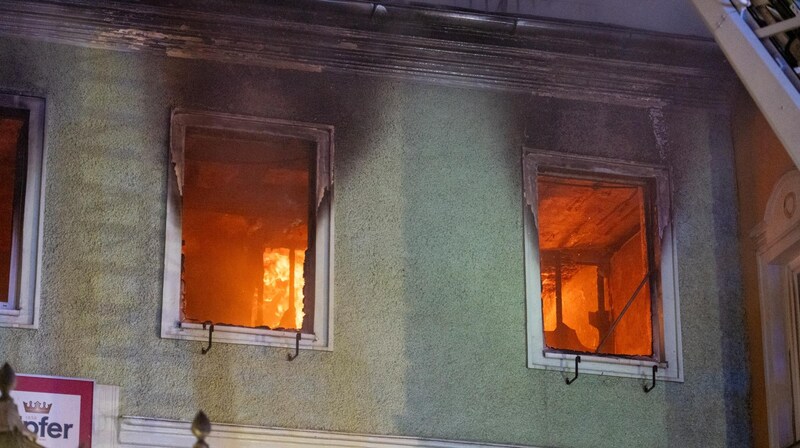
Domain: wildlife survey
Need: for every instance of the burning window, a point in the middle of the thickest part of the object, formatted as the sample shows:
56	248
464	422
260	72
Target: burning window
21	161
249	228
246	208
595	266
599	266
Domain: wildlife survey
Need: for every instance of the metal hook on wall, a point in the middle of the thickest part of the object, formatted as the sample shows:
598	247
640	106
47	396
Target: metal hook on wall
210	333
649	388
290	357
572	380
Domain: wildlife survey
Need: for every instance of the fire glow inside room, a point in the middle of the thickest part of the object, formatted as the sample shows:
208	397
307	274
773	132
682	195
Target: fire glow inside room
247	202
596	295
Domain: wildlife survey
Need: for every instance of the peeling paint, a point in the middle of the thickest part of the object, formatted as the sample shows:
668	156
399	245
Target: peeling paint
176	153
659	124
348	45
530	168
324	170
135	38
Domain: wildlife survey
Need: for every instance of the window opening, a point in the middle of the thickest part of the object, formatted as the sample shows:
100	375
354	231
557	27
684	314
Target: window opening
13	164
596	264
247	251
22	178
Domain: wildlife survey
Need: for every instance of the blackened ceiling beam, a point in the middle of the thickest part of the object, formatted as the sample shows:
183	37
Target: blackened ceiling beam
543	57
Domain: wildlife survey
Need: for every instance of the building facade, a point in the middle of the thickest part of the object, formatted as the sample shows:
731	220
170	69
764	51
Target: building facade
430	119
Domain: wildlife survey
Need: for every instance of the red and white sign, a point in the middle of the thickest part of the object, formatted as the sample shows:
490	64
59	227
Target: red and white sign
57	410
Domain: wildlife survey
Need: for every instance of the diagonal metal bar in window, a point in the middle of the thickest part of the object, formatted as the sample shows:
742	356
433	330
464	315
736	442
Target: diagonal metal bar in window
624	310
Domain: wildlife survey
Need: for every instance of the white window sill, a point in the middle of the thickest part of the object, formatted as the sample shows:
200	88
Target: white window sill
11	318
225	334
9	312
603	365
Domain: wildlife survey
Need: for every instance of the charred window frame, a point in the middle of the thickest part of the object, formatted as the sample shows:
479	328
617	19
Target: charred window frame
665	317
19	299
316	331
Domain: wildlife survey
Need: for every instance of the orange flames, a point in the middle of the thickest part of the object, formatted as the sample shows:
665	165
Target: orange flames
282	296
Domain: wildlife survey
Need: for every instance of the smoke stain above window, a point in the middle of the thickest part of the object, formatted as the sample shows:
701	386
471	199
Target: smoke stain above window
595	265
247	202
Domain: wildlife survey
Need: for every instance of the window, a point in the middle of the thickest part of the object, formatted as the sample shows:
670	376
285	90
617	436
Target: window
248	231
599	267
21	202
777	240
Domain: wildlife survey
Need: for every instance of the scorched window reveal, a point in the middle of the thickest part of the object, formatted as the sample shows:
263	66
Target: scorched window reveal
599	266
248	230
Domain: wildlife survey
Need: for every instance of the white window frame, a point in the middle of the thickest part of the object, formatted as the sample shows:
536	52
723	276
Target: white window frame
792	317
171	325
777	240
22	308
669	356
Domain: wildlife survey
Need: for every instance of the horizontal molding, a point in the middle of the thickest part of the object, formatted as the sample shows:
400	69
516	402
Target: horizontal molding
546	58
144	432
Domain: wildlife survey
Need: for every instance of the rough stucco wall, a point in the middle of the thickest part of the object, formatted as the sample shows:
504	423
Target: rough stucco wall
429	283
761	160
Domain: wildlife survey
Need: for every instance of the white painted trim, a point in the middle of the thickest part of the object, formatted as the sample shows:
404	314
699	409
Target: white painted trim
777	375
670	366
243	336
171	325
791	306
105	416
137	432
23	309
774	90
777	240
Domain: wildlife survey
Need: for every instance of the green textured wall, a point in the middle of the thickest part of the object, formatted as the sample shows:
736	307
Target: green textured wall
429	286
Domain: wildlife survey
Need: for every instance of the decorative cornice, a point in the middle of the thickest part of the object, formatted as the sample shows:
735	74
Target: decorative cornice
780	228
548	58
